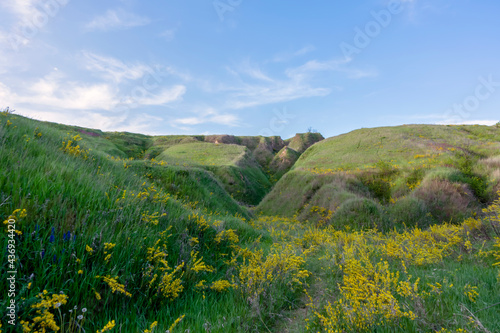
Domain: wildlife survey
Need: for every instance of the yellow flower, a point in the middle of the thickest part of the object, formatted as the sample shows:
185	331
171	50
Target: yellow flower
109	246
114	285
222	285
178	320
44	318
89	249
80	271
151	328
109	326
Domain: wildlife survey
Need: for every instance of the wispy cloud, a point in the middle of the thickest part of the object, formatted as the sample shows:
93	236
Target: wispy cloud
254	87
115	19
110	68
305	50
24	10
25	19
113	69
165	96
250	70
287	56
207	115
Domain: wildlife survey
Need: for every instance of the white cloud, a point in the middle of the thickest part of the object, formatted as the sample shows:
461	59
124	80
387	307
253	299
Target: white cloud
25	19
138	123
286	56
114	69
251	70
165	96
297	84
282	91
310	67
52	92
305	50
56	91
208	115
110	68
24	10
116	19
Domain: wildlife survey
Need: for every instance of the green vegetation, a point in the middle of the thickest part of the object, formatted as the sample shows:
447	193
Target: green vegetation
440	173
135	233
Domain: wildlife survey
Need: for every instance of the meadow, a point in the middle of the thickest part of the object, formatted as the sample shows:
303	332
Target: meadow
379	230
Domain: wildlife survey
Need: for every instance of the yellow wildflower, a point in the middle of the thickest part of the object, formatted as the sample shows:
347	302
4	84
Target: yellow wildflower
151	328
177	321
109	326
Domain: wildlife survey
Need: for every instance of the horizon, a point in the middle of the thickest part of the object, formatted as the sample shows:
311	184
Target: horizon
14	112
250	68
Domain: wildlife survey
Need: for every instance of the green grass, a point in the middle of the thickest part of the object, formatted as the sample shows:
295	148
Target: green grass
205	153
232	164
439	173
91	200
398	145
188	204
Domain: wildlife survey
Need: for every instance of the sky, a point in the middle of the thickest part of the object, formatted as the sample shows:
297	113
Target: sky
246	67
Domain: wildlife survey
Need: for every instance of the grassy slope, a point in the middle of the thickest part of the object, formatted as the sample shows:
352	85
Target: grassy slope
232	164
301	141
385	176
160	214
99	200
399	145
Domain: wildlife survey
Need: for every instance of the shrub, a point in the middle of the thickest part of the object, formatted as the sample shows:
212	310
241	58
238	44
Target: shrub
410	211
358	214
445	200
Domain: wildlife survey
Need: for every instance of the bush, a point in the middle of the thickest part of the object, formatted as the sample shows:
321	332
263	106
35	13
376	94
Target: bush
445	200
359	214
410	211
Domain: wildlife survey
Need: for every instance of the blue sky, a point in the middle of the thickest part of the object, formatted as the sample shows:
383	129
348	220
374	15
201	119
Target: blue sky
250	67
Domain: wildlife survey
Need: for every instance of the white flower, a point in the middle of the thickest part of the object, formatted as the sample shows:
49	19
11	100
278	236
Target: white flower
84	310
57	305
80	317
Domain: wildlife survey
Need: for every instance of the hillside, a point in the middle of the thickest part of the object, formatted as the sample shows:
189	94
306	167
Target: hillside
246	167
383	177
124	232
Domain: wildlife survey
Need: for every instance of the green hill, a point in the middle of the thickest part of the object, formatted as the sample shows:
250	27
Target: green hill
119	231
232	164
416	174
244	166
